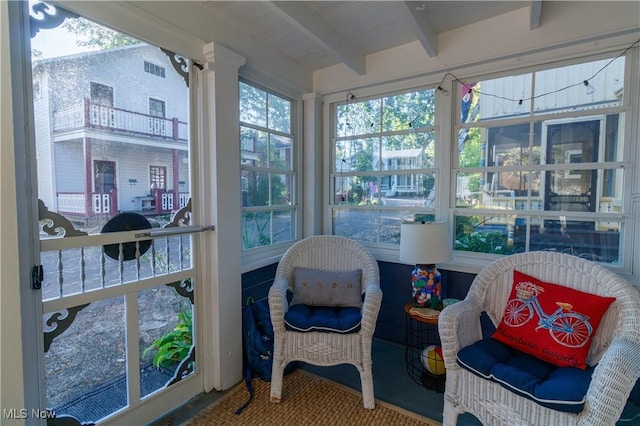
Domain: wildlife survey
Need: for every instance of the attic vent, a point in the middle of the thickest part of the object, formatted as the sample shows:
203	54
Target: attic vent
154	69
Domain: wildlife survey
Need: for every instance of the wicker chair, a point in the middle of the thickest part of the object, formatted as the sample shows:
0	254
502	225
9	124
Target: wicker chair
615	347
328	253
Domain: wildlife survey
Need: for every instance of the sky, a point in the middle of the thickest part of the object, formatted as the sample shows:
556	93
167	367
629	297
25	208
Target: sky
56	42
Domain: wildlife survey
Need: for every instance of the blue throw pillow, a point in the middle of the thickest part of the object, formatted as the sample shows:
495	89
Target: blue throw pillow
305	318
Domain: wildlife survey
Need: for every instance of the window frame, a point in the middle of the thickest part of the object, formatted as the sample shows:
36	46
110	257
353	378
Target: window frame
447	113
154	101
259	256
625	111
437	209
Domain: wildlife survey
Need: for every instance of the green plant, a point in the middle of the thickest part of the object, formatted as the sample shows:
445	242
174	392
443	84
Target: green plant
254	235
174	346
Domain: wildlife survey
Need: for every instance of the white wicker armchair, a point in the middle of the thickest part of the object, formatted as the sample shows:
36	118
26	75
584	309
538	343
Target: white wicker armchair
615	346
328	253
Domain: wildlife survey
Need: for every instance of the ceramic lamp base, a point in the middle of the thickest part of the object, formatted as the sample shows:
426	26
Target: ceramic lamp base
427	287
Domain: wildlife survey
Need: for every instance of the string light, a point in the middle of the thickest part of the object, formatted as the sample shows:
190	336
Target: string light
589	89
467	96
520	102
519	107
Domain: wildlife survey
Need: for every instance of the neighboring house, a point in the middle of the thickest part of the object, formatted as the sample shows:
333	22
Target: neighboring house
401	159
116	144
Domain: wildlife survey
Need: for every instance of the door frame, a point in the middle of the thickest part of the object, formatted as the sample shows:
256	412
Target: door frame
30	374
597	154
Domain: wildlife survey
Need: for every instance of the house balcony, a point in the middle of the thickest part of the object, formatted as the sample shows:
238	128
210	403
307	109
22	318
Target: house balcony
91	115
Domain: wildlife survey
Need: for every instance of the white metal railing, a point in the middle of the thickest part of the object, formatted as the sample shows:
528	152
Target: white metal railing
68	118
101	203
166	201
71	202
183	199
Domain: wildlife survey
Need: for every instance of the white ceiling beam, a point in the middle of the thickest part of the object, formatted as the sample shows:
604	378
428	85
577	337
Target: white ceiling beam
314	26
535	9
422	26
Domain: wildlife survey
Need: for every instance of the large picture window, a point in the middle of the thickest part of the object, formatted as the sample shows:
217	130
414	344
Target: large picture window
540	165
267	168
383	167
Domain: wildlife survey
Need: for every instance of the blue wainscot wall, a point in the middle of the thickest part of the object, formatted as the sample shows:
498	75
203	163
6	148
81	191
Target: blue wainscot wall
395	280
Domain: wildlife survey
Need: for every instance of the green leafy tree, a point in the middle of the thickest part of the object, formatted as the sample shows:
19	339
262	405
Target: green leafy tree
97	35
470	156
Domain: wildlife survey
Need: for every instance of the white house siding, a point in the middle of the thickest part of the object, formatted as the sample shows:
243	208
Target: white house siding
606	84
43	126
69	167
123	70
133	162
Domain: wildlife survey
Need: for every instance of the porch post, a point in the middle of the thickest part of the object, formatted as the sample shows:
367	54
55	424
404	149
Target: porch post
311	196
176	178
220	189
88	203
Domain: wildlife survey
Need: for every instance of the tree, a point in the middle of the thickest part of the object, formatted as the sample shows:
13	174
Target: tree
97	35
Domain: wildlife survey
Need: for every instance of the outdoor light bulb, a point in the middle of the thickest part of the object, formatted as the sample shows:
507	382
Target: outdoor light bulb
466	96
589	89
519	108
443	90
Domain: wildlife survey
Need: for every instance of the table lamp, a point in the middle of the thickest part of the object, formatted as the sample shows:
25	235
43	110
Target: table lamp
424	244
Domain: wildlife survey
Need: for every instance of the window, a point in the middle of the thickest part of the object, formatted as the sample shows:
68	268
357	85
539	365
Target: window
105	176
156	108
154	69
540	163
158	179
383	167
267	168
157	122
101	94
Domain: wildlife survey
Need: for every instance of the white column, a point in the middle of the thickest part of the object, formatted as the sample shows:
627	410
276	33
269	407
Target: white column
221	290
311	172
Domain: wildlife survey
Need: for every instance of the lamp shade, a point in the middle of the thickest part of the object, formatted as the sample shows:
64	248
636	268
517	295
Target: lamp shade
424	243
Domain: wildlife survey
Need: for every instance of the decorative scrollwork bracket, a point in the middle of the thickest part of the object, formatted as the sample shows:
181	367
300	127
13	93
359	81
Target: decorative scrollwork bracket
182	217
45	16
60	322
180	64
55	224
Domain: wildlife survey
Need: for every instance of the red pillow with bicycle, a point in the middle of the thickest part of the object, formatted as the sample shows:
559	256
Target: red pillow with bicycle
551	322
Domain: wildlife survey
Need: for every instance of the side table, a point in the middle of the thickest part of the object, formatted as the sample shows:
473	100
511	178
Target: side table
420	333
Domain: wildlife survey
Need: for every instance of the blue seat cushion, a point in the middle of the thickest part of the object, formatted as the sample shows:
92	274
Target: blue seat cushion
558	388
305	318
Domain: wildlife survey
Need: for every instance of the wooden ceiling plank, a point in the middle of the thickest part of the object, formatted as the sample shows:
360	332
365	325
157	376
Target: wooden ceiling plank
535	10
304	19
422	26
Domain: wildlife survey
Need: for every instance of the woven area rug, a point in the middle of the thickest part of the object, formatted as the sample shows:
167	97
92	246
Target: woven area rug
306	399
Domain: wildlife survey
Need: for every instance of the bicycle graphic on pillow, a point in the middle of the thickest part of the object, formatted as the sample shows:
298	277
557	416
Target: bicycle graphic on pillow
566	327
